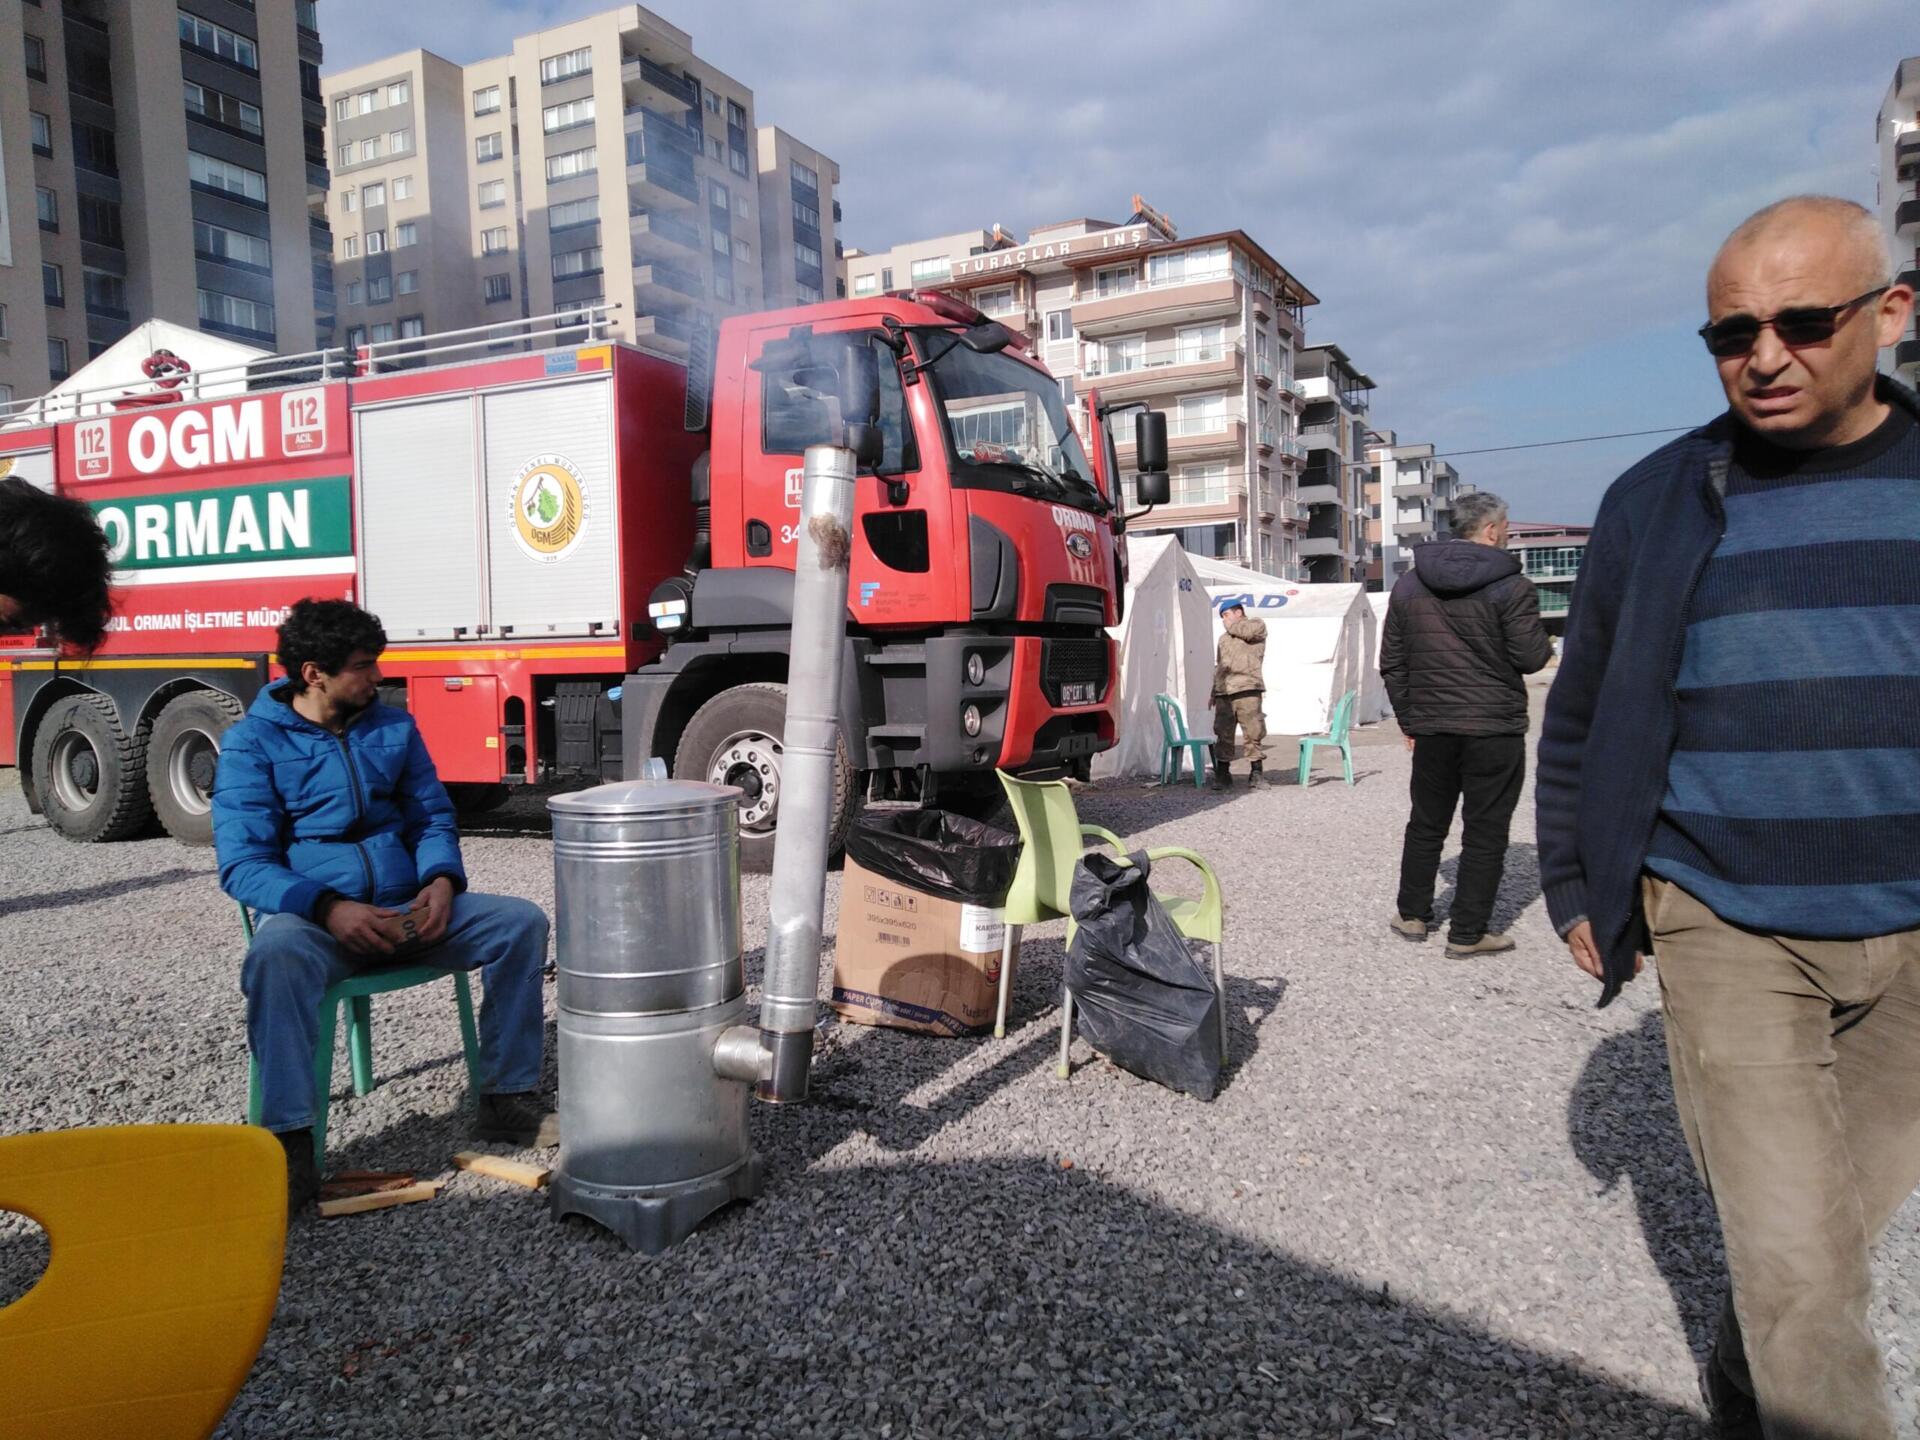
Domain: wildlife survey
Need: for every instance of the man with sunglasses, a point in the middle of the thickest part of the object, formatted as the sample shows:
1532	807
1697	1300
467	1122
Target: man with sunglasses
1729	774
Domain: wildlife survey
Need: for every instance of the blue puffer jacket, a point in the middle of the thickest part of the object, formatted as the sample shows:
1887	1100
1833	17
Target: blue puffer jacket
299	812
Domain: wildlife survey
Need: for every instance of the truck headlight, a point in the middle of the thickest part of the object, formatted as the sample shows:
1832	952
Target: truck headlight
970	719
976	669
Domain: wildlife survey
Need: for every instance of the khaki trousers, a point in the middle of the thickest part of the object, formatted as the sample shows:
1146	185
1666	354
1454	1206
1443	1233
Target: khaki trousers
1242	712
1796	1070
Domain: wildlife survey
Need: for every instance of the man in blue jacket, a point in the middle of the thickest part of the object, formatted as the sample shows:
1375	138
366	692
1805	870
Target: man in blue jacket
330	822
1729	774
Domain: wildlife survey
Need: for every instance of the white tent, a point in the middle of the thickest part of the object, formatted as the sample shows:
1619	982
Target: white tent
1377	601
1166	647
1320	644
117	372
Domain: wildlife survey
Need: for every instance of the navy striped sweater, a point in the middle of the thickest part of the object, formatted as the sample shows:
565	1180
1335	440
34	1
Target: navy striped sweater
1793	791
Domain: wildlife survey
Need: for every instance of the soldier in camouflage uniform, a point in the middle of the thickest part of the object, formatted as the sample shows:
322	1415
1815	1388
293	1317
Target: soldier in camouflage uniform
1237	687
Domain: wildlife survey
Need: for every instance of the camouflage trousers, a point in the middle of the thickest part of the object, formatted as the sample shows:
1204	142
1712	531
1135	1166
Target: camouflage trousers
1242	712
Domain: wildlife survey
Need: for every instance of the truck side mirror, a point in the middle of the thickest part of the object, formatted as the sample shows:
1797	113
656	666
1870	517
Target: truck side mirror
1153	487
860	385
1150	445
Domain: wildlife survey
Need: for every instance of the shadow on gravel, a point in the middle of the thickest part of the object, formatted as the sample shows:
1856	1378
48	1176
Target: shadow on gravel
1519	886
1621	1122
1012	1295
60	899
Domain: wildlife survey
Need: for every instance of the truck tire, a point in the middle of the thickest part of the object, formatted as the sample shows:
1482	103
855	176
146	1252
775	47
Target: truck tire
90	774
735	739
182	752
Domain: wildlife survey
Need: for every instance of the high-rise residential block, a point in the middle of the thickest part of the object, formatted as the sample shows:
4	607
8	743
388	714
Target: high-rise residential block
158	160
600	161
1204	329
1333	427
1409	497
1897	134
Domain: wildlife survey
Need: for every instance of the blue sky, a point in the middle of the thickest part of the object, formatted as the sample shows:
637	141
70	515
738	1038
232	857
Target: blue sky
1506	209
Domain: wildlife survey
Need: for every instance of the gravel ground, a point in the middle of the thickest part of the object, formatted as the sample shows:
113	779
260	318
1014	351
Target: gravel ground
1434	1198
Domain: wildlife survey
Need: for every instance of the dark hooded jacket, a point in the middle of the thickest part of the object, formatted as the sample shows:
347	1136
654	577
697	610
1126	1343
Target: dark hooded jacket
1463	627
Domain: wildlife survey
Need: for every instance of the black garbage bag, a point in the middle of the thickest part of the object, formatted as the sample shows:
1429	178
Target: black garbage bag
937	853
1141	996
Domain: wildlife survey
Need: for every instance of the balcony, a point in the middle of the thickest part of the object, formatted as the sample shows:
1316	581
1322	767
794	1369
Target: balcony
1166	303
656	284
1165	370
657	85
663	334
1551	572
1320	545
1188	437
1320	437
1906	219
659	185
661	235
1413	489
1906	353
1413	527
1906	149
1317	495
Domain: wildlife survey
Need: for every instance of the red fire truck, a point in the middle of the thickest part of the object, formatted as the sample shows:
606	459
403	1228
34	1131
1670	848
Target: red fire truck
581	560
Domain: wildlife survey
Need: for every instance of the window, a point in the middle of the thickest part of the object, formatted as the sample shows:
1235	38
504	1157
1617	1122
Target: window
568	115
100	221
356	336
3	335
498	287
379	289
1200	415
1181	267
42	133
106	292
346	154
866	284
806	215
365	102
737	161
486	101
399	142
356	292
217	242
806	255
722	243
718	194
218	40
807	294
723	283
569	263
406	233
381	333
712	98
1114	280
886	277
340	107
1059	325
53	285
222	175
222	109
573	212
1199	344
493	194
1199	485
740	207
412	327
929	272
804	176
790	423
376	242
487	147
407	282
736	115
399	92
716	151
573	164
403	187
95	149
1120	355
235	313
374	194
349	247
349	201
48	206
36	58
305	16
370	148
57	358
494	241
997	301
564	67
743	252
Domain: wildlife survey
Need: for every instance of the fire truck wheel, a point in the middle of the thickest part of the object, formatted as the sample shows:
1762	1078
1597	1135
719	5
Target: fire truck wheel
735	739
91	774
181	754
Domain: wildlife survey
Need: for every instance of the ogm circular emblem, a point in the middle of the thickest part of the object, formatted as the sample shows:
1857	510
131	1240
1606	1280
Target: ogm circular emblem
1079	546
548	507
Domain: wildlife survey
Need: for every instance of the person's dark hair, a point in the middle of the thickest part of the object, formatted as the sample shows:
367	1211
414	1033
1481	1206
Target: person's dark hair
53	563
326	632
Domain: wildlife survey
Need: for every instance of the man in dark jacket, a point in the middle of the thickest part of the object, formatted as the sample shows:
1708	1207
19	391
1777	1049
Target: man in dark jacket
328	820
53	566
1730	774
1463	627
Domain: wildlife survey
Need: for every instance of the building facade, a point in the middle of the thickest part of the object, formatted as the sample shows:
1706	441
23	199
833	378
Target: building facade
161	161
1204	329
1333	428
602	161
1409	500
1550	556
1897	134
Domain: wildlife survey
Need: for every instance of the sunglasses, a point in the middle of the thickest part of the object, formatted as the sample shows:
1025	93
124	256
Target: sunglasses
1802	325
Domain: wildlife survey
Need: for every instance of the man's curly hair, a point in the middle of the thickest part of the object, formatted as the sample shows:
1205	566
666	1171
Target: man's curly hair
326	632
53	563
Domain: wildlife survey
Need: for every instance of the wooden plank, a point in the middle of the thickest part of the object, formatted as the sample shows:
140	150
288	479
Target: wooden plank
534	1177
379	1200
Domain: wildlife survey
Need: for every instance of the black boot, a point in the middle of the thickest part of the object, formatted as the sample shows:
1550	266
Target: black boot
303	1173
1254	780
516	1120
1222	774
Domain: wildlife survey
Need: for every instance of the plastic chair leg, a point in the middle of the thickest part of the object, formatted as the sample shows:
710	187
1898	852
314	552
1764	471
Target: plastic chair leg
1064	1068
323	1081
1346	756
360	1043
254	1104
469	1037
1199	772
1306	761
1009	952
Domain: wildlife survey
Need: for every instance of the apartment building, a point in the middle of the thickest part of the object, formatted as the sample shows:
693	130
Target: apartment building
1409	501
177	188
1897	134
1333	428
601	161
1204	329
1550	556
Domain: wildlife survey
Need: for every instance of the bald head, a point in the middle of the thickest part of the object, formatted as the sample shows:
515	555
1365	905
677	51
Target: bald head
1844	239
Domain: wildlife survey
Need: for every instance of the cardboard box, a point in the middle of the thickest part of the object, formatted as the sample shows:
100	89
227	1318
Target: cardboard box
914	961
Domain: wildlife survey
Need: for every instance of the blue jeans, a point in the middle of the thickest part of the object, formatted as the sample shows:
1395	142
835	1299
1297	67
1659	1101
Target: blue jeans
292	961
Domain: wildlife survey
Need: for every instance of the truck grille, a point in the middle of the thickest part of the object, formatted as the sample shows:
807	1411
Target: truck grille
1073	662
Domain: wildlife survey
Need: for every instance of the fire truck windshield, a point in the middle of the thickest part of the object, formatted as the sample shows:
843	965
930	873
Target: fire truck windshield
1010	430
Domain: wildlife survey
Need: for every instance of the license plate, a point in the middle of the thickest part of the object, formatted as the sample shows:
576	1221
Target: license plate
1077	694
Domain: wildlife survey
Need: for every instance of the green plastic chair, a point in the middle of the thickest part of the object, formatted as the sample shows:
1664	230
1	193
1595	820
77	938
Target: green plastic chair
1052	842
1176	743
356	992
1339	736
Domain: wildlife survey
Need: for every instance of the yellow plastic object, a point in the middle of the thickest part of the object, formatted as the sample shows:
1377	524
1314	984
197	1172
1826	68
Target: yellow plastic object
166	1243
